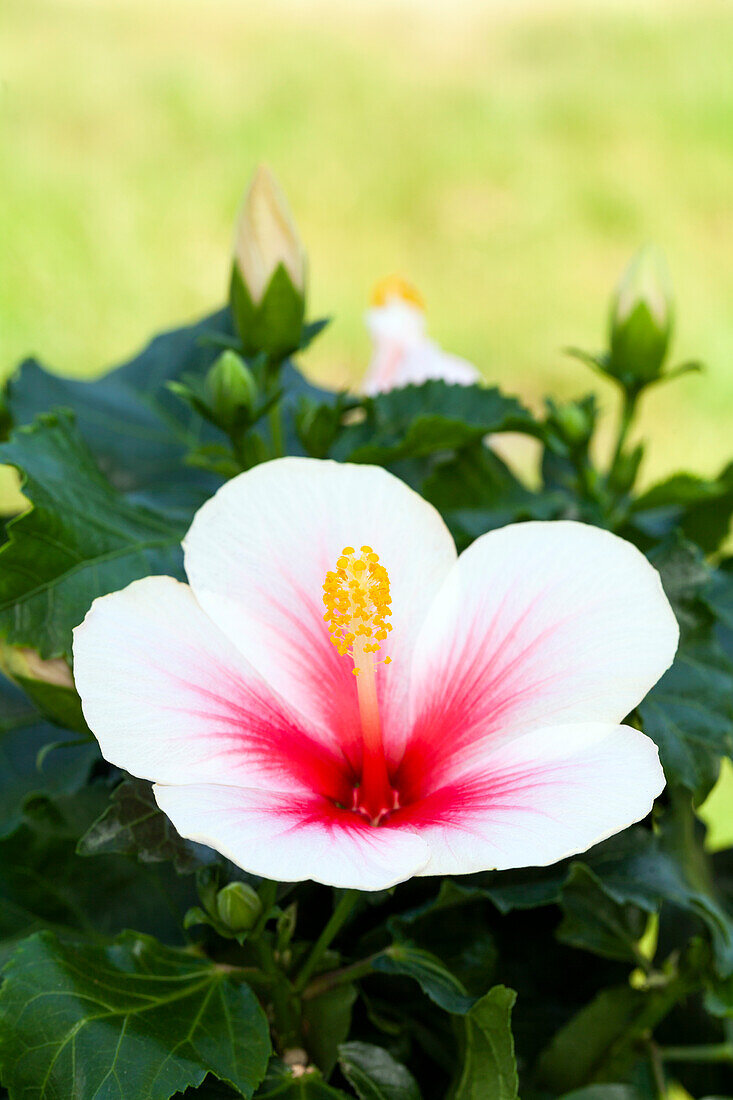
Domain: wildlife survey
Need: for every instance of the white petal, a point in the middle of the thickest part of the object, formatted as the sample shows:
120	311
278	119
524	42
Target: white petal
396	323
257	555
286	839
537	624
428	361
170	699
544	796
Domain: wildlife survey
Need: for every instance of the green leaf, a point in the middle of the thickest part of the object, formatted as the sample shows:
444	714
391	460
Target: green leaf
442	987
80	540
595	922
453	926
689	713
44	884
23	734
700	507
488	1068
418	421
475	491
635	868
280	1084
326	1024
374	1074
137	430
134	1020
582	1051
133	824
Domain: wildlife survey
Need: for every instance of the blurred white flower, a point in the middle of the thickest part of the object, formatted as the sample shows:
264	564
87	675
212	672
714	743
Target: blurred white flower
403	352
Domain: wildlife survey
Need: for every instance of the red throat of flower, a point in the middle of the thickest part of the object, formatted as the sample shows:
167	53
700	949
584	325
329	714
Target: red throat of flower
357	600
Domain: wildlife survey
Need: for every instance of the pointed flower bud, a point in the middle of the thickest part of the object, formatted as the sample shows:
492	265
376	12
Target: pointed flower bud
238	906
267	293
23	664
641	319
231	388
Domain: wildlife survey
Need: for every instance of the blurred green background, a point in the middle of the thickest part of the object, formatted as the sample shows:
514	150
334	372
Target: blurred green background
506	157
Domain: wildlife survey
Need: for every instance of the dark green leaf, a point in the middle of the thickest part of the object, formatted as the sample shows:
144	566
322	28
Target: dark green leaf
452	926
689	713
436	981
594	922
134	1020
488	1068
700	507
137	430
280	1084
81	539
326	1024
23	734
418	421
133	824
475	491
375	1075
43	883
61	705
582	1051
635	868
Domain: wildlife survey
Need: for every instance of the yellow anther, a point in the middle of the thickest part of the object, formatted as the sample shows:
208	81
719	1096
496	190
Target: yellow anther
394	286
357	599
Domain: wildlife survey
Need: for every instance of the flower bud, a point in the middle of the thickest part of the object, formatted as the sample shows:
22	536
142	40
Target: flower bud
24	664
267	293
48	683
575	423
238	906
641	320
231	388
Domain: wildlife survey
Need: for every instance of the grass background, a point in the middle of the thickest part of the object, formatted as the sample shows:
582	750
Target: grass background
507	157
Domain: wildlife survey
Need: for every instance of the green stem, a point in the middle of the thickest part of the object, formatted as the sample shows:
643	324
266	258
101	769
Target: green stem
285	1007
276	430
338	919
628	411
713	1052
268	896
335	978
659	1004
274	416
657	1068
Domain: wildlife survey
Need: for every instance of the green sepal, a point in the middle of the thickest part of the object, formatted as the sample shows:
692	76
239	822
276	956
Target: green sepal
274	325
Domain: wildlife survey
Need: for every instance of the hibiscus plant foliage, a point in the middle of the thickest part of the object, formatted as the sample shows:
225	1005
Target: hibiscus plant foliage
139	965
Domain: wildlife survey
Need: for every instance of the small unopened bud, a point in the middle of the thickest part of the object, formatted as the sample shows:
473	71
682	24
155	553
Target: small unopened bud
641	319
575	423
267	294
231	388
25	664
238	906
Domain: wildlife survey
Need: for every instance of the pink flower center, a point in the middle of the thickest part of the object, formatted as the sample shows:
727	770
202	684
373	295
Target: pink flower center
357	600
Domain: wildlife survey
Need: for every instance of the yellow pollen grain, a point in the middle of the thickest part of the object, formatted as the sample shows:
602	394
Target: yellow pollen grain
357	600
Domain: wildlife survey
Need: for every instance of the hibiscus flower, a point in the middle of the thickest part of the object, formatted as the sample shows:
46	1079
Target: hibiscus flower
335	695
404	354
